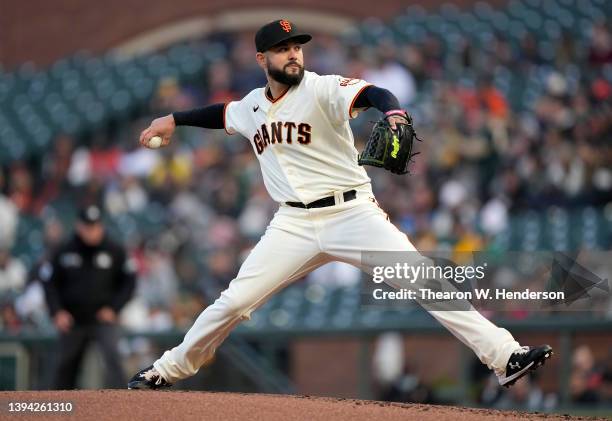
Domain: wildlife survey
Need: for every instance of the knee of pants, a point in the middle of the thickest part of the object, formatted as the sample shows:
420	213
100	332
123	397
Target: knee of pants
236	306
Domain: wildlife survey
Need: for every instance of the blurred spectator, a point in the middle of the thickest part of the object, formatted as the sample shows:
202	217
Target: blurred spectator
566	50
125	196
492	99
174	171
388	360
397	382
54	173
21	189
220	82
467	242
87	282
389	74
9	321
327	56
434	56
12	273
79	172
170	96
31	306
494	216
246	74
414	59
529	50
600	52
606	387
104	160
9	215
586	379
157	281
502	50
409	387
257	212
138	162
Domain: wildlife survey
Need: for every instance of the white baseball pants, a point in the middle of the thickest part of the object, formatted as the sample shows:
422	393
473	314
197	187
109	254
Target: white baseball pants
296	242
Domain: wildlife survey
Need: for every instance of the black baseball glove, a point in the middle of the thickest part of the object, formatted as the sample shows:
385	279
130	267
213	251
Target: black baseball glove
390	149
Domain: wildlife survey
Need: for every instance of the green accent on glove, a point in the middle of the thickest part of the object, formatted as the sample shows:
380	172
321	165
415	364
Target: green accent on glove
396	146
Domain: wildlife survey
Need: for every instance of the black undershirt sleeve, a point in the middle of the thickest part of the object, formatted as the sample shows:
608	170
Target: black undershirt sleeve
379	98
209	117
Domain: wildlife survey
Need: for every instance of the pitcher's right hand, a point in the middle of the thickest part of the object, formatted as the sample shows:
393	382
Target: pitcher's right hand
163	127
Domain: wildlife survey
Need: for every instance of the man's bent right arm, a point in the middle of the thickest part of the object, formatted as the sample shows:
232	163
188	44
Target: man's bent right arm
209	117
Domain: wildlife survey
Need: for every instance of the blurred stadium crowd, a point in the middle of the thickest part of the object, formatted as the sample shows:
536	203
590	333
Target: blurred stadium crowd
512	126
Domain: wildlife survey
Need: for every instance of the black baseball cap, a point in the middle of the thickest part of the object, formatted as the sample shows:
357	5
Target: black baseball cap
276	32
90	215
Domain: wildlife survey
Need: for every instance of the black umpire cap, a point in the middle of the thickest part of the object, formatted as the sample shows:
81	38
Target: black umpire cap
90	215
276	32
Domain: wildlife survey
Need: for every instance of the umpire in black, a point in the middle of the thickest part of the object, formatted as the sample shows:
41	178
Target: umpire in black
87	282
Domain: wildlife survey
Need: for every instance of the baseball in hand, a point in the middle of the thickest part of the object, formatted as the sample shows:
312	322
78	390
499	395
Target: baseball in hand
155	142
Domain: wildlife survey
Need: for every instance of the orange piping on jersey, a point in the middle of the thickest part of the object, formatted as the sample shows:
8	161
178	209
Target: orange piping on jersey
224	126
280	96
355	99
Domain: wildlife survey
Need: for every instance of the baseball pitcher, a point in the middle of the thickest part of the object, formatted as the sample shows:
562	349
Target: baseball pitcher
298	126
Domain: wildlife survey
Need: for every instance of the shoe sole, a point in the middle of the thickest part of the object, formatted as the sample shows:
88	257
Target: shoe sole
141	386
135	386
547	353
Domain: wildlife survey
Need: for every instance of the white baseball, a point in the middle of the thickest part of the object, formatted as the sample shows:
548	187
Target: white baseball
155	142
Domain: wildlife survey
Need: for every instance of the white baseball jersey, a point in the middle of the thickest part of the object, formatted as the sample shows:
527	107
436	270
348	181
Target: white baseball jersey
303	139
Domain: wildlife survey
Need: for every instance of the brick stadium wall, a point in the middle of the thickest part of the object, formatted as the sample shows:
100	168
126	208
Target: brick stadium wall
43	31
329	367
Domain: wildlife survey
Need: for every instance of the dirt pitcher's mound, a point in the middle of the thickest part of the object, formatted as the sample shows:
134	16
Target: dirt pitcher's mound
176	405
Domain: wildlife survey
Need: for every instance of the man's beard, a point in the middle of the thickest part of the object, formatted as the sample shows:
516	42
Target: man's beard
280	76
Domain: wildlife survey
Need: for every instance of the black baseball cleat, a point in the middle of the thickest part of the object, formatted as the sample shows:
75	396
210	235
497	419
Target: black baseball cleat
149	378
522	361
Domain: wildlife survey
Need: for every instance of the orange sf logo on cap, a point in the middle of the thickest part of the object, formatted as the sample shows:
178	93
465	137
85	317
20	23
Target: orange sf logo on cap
286	25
